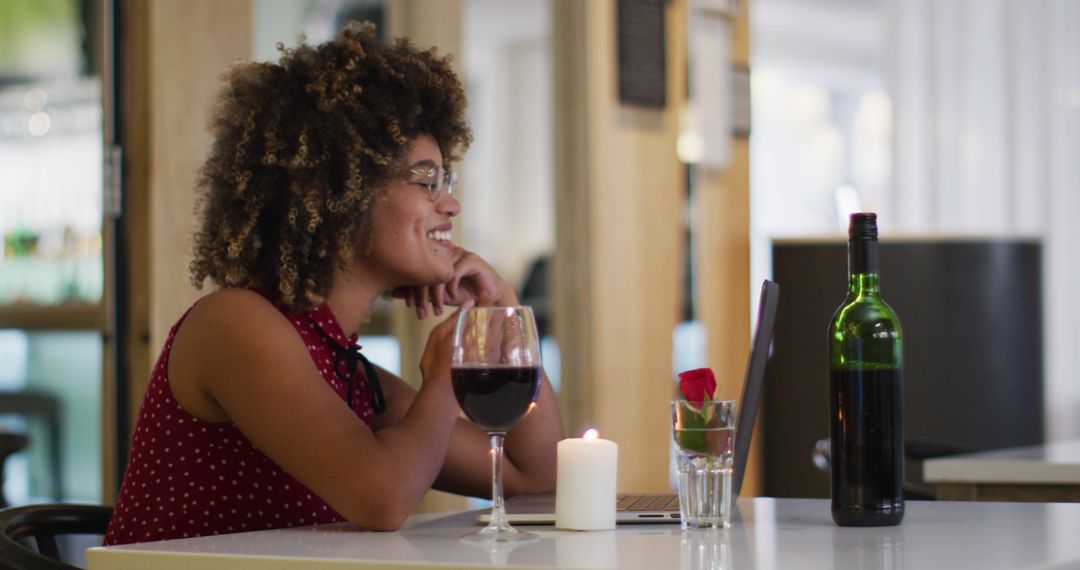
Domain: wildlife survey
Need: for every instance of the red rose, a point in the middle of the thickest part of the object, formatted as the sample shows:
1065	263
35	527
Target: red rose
697	384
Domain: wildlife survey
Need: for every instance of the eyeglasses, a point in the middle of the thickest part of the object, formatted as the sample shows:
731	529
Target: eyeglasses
433	180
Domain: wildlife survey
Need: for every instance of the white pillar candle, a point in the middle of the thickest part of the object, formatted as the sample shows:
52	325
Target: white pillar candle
585	487
586	550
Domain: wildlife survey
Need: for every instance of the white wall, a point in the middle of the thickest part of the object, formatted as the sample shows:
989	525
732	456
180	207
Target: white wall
987	100
820	141
507	191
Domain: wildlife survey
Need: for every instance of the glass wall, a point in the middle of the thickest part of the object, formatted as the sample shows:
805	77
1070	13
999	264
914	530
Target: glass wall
50	198
51	275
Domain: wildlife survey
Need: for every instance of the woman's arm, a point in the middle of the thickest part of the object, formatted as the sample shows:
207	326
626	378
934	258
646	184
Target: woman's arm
530	446
236	358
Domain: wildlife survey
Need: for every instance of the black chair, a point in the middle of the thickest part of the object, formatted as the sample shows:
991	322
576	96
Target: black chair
46	406
44	523
536	293
10	443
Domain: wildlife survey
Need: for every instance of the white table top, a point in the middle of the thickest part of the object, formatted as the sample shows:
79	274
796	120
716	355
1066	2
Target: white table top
767	533
1053	463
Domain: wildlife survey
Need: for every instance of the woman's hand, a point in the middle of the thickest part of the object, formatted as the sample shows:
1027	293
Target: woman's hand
474	280
436	358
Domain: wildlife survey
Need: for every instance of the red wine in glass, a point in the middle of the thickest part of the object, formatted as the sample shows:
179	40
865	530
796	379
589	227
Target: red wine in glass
495	372
496	398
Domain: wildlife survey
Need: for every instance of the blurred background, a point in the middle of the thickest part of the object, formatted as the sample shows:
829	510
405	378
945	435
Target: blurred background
639	228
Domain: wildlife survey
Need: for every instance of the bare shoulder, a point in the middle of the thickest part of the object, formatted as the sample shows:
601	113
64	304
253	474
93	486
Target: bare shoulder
228	335
232	306
232	318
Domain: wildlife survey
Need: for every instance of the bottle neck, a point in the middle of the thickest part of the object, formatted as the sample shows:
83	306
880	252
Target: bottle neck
863	266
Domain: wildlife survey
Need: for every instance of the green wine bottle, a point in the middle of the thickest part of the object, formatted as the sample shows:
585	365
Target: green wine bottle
866	389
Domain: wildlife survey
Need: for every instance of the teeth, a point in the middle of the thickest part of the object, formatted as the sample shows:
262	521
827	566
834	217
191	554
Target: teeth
437	235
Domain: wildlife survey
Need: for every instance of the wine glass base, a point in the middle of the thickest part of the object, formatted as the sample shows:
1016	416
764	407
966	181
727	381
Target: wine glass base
497	535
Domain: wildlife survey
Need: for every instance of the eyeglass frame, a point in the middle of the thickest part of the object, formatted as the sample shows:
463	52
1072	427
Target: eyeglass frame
438	179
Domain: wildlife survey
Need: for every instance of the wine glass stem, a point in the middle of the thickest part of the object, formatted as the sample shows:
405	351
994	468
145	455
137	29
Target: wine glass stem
498	510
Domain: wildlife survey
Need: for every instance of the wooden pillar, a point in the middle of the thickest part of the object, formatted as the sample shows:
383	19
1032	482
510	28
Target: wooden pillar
619	248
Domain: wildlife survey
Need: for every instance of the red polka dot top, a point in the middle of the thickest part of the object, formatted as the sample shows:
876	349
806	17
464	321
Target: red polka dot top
187	477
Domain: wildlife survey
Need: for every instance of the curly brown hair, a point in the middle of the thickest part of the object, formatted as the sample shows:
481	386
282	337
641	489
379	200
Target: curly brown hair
301	150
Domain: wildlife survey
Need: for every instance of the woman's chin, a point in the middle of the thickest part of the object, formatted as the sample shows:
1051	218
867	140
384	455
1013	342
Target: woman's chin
439	278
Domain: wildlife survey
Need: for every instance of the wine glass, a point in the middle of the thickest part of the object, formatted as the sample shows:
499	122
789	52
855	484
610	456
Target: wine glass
496	375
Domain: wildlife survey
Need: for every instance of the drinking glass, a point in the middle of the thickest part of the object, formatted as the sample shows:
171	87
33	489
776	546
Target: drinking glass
705	438
496	375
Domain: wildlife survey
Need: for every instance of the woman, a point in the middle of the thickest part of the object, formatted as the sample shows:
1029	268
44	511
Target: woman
325	188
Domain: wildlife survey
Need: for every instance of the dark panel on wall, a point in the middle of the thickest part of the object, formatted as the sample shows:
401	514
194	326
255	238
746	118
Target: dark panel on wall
972	322
642	48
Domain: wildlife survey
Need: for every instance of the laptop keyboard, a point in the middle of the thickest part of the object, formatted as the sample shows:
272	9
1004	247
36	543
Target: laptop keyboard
635	503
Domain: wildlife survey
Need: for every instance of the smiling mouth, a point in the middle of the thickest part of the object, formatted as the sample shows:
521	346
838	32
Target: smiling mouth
439	236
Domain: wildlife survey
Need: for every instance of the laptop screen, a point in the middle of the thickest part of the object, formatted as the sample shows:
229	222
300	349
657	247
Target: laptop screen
755	377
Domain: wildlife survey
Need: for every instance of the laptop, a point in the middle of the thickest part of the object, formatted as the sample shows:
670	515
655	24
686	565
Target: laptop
664	507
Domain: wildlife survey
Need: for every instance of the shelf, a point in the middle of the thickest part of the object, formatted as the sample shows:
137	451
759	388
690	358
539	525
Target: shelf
70	316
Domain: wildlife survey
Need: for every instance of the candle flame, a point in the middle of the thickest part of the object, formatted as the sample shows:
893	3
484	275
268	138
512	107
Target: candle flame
591	434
